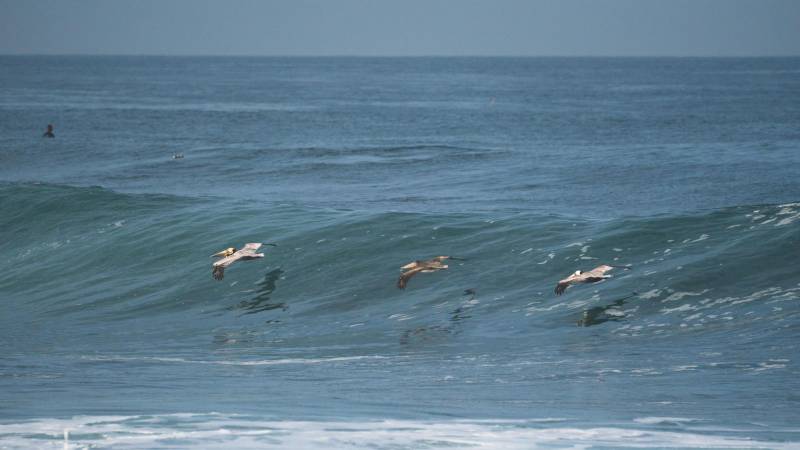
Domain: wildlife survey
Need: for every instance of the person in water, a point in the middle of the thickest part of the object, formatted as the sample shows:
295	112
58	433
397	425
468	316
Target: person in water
49	133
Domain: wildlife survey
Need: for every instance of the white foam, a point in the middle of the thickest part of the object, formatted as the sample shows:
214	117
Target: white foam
685	368
769	365
774	294
664	420
533	309
219	431
787	215
259	362
679	295
684	307
401	317
702	237
650	294
549	257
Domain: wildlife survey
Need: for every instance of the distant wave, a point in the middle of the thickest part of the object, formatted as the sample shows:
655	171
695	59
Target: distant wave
82	101
262	362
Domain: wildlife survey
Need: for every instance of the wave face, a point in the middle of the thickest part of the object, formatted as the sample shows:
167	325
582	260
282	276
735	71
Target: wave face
104	284
112	326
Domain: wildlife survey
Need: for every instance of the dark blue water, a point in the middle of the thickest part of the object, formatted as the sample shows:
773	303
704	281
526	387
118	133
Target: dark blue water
531	168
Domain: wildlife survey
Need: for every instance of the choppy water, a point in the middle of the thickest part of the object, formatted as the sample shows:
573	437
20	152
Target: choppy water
112	327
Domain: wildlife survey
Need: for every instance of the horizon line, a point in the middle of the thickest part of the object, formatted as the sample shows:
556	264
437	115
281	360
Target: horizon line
289	55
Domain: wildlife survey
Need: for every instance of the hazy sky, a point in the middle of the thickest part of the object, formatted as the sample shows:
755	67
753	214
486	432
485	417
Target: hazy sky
401	27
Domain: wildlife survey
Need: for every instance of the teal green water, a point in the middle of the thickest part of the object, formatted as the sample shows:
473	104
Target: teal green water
685	169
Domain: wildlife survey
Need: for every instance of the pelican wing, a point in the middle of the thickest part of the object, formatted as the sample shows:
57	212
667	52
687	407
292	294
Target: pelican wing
411	265
592	276
218	272
597	272
228	260
567	282
435	265
427	263
248	252
218	268
562	286
253	246
405	276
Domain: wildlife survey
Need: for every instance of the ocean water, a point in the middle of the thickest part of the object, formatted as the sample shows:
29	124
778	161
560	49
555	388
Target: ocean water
114	332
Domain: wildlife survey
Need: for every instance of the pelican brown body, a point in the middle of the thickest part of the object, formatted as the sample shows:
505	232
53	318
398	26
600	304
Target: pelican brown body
592	276
231	255
431	265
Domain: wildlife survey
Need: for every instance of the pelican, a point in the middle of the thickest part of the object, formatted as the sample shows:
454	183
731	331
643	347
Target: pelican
415	267
592	276
230	255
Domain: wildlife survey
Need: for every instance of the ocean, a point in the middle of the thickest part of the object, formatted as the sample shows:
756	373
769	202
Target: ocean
115	335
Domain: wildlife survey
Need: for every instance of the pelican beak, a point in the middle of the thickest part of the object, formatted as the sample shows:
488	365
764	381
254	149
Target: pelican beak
457	259
272	245
224	253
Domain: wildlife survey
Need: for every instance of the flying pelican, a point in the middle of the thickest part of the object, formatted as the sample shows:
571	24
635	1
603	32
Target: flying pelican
592	276
415	267
230	255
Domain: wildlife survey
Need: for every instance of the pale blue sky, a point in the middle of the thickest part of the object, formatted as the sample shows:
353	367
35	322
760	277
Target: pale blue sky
407	27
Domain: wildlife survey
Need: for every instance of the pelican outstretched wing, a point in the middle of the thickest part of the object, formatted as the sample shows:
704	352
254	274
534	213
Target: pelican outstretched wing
218	272
592	276
253	246
218	268
597	272
405	276
247	252
411	265
567	282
